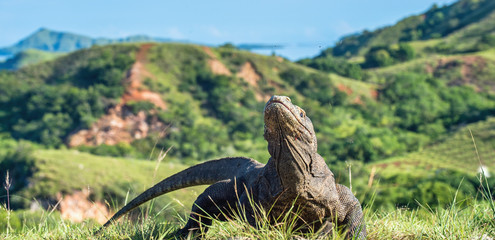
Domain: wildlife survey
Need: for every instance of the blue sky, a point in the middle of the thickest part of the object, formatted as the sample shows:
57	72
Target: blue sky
309	25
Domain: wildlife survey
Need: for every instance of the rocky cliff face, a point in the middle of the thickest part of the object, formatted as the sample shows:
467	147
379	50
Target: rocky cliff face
119	125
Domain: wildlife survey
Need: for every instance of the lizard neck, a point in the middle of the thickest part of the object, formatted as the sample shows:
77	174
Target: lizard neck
292	161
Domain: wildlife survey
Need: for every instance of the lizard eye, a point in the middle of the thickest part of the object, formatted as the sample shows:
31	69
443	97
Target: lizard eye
302	114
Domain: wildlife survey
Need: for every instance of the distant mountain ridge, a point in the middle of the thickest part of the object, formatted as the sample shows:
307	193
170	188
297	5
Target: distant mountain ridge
44	44
53	41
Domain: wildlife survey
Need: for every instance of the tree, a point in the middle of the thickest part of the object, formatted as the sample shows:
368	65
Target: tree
378	57
404	53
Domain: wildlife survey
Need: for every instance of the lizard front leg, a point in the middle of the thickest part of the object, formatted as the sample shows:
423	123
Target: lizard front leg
354	222
216	202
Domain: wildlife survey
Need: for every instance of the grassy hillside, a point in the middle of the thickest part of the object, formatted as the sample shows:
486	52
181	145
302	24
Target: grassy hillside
27	57
436	175
111	179
467	20
204	92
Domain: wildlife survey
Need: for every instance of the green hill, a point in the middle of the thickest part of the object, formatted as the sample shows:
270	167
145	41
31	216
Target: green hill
465	20
27	57
201	91
433	175
126	100
205	91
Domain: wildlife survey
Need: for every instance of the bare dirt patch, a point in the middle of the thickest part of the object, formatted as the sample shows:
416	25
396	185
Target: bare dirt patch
209	52
471	66
249	74
357	100
343	88
467	67
374	94
135	79
216	66
120	124
77	207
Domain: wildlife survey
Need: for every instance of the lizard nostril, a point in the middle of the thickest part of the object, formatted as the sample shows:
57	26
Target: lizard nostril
287	98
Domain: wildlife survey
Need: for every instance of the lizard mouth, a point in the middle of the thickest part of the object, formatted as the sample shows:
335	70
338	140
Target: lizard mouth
289	109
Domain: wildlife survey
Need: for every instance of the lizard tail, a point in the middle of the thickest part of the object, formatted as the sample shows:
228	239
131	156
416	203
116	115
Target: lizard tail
202	174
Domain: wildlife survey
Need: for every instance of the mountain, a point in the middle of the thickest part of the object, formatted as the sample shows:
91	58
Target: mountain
471	18
53	41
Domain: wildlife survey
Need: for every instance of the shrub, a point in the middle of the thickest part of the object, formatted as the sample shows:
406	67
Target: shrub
19	162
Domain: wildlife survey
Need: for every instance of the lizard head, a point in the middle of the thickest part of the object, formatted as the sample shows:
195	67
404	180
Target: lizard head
286	122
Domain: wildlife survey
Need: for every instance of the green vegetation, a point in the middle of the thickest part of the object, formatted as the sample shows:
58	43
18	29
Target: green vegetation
433	176
474	221
109	180
382	56
116	179
54	98
395	107
327	63
27	57
437	22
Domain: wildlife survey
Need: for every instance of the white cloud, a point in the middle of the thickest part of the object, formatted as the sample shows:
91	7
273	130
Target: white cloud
215	32
343	28
174	32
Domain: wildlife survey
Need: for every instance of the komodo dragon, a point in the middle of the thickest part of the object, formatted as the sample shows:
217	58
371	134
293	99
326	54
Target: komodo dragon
295	175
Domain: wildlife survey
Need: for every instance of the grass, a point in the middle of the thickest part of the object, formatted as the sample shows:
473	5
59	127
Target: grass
358	89
460	220
28	57
454	151
110	180
472	222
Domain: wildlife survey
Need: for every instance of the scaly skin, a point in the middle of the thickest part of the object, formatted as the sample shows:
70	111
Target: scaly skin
295	175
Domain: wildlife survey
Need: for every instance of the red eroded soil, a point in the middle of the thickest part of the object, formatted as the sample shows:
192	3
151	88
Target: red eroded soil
374	93
216	66
120	124
251	76
248	73
135	78
344	88
469	68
